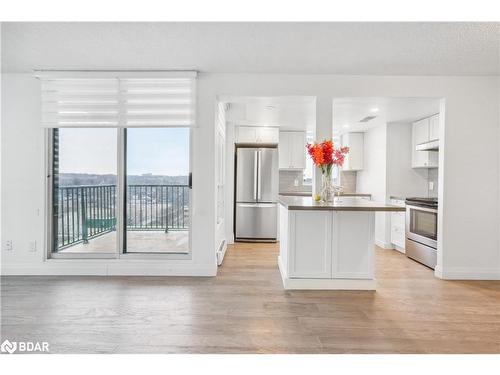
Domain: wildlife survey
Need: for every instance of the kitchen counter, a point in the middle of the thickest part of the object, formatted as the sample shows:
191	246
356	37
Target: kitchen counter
344	204
328	246
309	193
397	198
296	193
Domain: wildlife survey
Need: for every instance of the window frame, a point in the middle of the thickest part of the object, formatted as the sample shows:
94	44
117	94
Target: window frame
118	252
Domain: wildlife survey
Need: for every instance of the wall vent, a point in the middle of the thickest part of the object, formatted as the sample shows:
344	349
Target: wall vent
367	118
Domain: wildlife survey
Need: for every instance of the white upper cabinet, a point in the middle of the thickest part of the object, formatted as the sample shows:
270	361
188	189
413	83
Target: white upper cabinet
420	135
256	134
434	127
425	130
284	150
421	131
354	159
292	150
268	135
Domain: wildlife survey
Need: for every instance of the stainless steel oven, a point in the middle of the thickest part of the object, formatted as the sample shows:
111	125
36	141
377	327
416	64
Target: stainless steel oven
421	230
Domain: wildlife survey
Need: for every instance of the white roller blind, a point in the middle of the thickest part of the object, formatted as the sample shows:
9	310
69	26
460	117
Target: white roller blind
126	100
158	102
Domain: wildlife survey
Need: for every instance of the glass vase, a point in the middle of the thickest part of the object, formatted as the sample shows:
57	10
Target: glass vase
327	194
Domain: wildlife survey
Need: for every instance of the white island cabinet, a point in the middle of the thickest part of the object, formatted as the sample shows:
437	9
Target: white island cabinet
328	246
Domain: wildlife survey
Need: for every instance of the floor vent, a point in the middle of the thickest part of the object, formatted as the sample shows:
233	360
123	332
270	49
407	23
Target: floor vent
221	251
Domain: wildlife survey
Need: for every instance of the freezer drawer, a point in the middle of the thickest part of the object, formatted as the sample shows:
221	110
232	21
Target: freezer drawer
256	221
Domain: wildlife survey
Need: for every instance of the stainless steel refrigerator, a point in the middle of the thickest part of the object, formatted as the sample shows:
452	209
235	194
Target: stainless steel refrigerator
257	181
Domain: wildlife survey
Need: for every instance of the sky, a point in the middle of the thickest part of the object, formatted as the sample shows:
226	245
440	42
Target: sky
160	151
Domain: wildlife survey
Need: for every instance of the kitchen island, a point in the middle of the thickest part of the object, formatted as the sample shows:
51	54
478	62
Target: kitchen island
328	246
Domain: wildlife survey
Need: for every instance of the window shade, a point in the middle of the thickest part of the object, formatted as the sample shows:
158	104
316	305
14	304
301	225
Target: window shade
135	100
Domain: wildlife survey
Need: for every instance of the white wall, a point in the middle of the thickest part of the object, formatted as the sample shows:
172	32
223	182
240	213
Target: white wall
468	243
23	187
373	179
402	179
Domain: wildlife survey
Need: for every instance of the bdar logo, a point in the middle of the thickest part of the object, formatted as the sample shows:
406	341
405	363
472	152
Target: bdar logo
8	347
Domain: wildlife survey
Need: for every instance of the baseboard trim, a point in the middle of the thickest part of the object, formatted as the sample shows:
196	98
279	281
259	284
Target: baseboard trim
324	284
384	245
400	249
460	273
130	268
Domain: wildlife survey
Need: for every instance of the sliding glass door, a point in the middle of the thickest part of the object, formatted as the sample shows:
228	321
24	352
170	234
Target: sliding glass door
119	191
84	194
156	209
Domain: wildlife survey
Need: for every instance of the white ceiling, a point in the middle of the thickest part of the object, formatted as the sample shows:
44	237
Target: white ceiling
347	112
337	48
289	113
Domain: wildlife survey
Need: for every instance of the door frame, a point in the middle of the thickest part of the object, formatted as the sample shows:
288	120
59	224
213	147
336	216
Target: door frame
121	196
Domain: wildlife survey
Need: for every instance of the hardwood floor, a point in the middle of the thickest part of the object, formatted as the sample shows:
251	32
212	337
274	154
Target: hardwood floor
245	309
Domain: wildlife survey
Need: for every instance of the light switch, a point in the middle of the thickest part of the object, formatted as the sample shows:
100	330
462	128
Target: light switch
8	245
32	246
431	185
296	182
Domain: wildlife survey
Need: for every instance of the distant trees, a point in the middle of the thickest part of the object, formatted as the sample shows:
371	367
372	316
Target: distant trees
79	179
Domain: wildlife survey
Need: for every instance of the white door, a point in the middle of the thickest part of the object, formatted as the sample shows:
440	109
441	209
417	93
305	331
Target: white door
220	178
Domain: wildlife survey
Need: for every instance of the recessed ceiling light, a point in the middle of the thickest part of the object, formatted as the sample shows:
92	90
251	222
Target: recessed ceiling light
345	126
374	109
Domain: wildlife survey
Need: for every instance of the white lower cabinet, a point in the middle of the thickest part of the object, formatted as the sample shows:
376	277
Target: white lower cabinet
352	247
327	244
310	244
398	226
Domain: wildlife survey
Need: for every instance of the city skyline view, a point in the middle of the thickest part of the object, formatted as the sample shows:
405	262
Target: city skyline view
155	151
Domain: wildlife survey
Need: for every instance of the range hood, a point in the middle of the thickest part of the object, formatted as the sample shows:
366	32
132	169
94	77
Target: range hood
428	146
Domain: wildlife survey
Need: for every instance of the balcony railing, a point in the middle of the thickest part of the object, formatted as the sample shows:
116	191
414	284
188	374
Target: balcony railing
84	212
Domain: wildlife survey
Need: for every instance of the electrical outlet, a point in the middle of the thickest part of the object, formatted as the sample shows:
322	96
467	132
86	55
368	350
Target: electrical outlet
8	245
32	246
431	185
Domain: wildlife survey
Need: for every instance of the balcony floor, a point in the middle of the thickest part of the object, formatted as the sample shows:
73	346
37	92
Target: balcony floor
137	242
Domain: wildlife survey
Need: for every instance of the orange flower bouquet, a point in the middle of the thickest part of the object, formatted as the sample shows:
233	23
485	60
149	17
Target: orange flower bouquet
325	156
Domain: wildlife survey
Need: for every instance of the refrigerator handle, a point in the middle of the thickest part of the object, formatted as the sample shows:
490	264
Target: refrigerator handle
255	162
259	172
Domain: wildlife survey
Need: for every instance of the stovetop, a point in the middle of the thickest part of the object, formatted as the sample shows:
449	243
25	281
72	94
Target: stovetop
427	202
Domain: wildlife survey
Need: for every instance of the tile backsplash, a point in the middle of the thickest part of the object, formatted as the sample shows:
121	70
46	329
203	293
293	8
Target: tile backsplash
433	177
288	177
348	181
287	181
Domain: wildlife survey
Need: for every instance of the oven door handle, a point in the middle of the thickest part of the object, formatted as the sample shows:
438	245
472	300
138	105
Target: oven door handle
420	208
